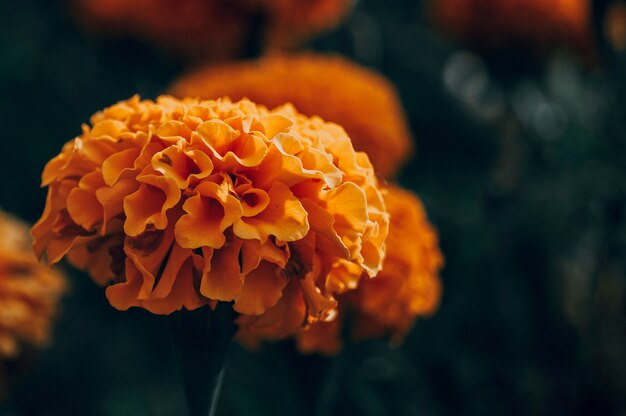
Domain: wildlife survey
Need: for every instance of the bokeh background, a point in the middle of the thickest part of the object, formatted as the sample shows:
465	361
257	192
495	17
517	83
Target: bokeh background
521	164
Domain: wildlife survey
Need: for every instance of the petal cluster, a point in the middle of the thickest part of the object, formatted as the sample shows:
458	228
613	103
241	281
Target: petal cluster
29	294
407	287
534	24
362	101
183	203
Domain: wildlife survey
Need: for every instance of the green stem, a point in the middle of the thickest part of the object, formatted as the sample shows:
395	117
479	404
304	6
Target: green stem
202	339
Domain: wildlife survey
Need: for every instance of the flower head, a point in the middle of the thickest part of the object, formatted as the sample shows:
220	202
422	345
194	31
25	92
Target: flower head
293	21
614	25
363	102
213	29
534	24
407	287
183	203
192	28
29	293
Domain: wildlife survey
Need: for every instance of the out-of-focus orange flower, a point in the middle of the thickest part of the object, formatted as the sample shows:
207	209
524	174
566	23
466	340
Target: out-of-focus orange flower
363	102
214	29
615	25
407	287
181	203
534	24
293	21
29	293
194	28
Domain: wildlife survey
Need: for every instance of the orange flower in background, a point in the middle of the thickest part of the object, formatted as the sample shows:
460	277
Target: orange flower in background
290	22
615	25
362	101
194	28
182	203
407	287
216	29
29	294
534	24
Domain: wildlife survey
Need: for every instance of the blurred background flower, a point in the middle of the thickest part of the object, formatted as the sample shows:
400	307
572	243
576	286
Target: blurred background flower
407	287
360	100
29	297
211	29
532	26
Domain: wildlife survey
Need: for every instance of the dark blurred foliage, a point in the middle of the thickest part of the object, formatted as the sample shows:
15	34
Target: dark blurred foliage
522	169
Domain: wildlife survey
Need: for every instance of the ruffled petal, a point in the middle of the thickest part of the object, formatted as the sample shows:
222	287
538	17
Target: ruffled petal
284	218
148	206
261	290
223	280
208	215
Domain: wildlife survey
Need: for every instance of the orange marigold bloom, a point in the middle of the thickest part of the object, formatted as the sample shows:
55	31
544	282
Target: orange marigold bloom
337	90
181	203
407	287
29	294
615	25
195	28
535	24
213	28
293	21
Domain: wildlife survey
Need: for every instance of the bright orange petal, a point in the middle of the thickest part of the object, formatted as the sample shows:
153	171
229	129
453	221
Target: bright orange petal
284	218
261	290
209	213
224	280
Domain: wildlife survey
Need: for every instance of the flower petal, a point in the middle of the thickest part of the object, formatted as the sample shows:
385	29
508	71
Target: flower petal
285	218
148	206
223	280
262	288
209	213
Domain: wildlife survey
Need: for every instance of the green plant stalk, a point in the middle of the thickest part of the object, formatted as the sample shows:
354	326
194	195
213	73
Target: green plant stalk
203	338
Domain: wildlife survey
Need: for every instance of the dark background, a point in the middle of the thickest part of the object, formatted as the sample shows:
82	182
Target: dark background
520	163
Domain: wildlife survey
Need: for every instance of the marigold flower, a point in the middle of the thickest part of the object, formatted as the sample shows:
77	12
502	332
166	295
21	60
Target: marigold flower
337	90
407	287
192	28
182	203
615	25
212	28
293	21
534	24
29	293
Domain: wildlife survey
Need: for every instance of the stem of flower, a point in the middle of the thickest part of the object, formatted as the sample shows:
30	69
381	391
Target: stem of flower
202	339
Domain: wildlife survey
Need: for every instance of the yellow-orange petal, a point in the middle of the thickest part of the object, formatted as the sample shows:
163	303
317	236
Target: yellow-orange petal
182	165
148	206
319	307
118	164
182	294
148	251
123	295
171	273
253	252
322	223
348	206
285	218
208	214
279	321
82	204
261	290
223	280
